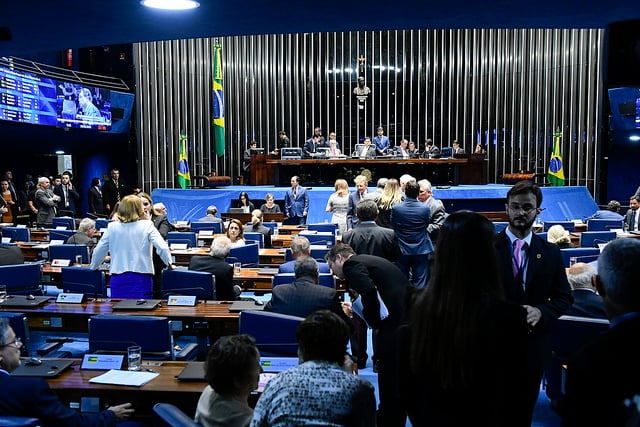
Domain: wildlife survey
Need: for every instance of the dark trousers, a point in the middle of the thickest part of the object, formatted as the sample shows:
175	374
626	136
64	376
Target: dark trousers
295	220
391	410
359	341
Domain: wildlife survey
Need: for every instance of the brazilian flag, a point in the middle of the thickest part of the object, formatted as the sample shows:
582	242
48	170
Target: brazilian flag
218	101
555	174
184	177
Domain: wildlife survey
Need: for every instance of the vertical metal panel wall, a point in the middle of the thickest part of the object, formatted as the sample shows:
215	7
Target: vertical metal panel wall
509	90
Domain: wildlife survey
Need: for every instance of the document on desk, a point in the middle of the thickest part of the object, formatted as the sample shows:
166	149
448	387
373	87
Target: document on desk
129	378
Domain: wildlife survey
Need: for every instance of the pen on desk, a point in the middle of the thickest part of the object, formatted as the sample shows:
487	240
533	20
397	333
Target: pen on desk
151	370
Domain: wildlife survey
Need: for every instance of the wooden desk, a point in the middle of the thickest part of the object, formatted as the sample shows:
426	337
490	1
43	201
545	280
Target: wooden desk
246	217
268	256
73	384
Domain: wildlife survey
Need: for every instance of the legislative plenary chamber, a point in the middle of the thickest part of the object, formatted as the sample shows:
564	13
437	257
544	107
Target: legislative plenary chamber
301	112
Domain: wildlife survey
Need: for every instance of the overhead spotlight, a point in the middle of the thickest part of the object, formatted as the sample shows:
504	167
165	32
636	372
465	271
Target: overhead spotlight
634	138
171	4
59	152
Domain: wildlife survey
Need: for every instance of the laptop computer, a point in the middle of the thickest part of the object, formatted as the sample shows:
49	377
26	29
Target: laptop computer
246	305
236	210
23	301
47	369
139	304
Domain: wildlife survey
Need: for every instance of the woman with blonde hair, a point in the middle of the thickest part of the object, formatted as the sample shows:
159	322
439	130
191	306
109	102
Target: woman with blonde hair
256	226
130	241
235	233
338	204
391	195
559	236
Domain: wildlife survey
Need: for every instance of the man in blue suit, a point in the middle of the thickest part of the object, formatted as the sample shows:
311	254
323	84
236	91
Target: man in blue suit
296	203
410	220
32	397
586	301
300	247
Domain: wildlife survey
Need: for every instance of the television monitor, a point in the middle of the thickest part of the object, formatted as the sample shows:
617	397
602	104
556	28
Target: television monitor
258	150
27	98
81	106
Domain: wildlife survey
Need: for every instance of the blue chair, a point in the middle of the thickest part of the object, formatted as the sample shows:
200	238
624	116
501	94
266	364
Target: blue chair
113	333
64	221
321	238
20	325
603	224
17	234
9	421
69	251
590	239
500	225
248	255
101	223
254	236
22	279
324	279
275	333
323	227
182	237
83	280
570	226
186	282
197	226
60	235
543	235
168	415
580	254
272	225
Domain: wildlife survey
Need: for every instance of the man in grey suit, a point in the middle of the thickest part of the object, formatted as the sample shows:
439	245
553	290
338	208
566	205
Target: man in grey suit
212	211
438	214
304	295
300	247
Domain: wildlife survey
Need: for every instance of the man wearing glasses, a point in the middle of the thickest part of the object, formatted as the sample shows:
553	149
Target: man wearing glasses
32	397
533	275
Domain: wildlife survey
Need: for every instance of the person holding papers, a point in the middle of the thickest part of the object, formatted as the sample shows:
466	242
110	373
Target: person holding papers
32	397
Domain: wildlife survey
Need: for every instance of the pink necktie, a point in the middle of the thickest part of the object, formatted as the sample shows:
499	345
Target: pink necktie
517	256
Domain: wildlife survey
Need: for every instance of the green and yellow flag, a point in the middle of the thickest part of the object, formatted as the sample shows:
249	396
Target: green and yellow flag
218	101
555	174
184	177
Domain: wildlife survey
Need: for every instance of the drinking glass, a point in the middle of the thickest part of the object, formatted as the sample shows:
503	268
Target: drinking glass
3	292
237	267
134	354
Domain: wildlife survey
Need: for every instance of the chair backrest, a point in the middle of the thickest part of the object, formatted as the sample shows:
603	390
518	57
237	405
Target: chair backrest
20	325
319	251
17	234
168	415
543	235
113	333
83	280
69	251
324	279
580	254
64	221
248	255
22	279
604	224
60	234
197	226
590	239
188	237
274	333
187	282
320	238
323	227
571	333
101	223
272	225
9	421
570	226
254	236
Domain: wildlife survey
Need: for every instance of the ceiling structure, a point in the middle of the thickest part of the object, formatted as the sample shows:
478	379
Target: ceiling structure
38	26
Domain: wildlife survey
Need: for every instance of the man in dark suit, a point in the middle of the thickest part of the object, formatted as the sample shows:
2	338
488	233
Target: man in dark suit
296	203
304	295
114	190
430	151
361	192
376	279
216	265
300	247
533	275
631	217
606	371
310	146
410	220
586	301
69	197
32	397
10	255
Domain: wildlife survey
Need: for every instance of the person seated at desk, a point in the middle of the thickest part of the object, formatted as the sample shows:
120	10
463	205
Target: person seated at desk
612	211
430	150
586	301
244	202
402	151
310	146
300	247
334	151
270	206
11	255
215	264
84	235
256	226
212	211
332	137
235	233
367	151
559	236
413	150
322	390
32	397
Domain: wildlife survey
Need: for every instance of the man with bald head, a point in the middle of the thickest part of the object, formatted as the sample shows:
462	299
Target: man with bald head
300	247
586	301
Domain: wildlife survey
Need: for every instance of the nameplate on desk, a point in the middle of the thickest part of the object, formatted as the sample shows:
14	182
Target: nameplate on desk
206	233
102	361
70	298
56	242
189	300
6	240
61	227
60	263
178	246
21	226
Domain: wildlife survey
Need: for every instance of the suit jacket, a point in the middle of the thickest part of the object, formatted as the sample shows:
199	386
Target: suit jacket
303	297
587	303
287	267
354	198
32	397
369	238
81	238
74	198
410	220
46	205
10	255
367	274
602	375
438	215
96	203
309	147
219	268
606	214
211	218
546	288
627	218
432	151
366	153
266	232
296	206
381	143
110	192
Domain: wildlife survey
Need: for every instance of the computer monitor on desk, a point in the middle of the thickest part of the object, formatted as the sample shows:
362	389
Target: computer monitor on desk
446	152
246	217
259	150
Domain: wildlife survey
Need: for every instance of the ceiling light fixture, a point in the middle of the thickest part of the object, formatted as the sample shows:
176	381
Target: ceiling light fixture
171	4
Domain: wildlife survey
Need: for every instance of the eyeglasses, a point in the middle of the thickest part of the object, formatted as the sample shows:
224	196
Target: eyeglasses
526	209
17	343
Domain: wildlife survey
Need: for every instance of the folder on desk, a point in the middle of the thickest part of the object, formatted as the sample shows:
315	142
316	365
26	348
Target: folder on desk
23	301
245	305
47	369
